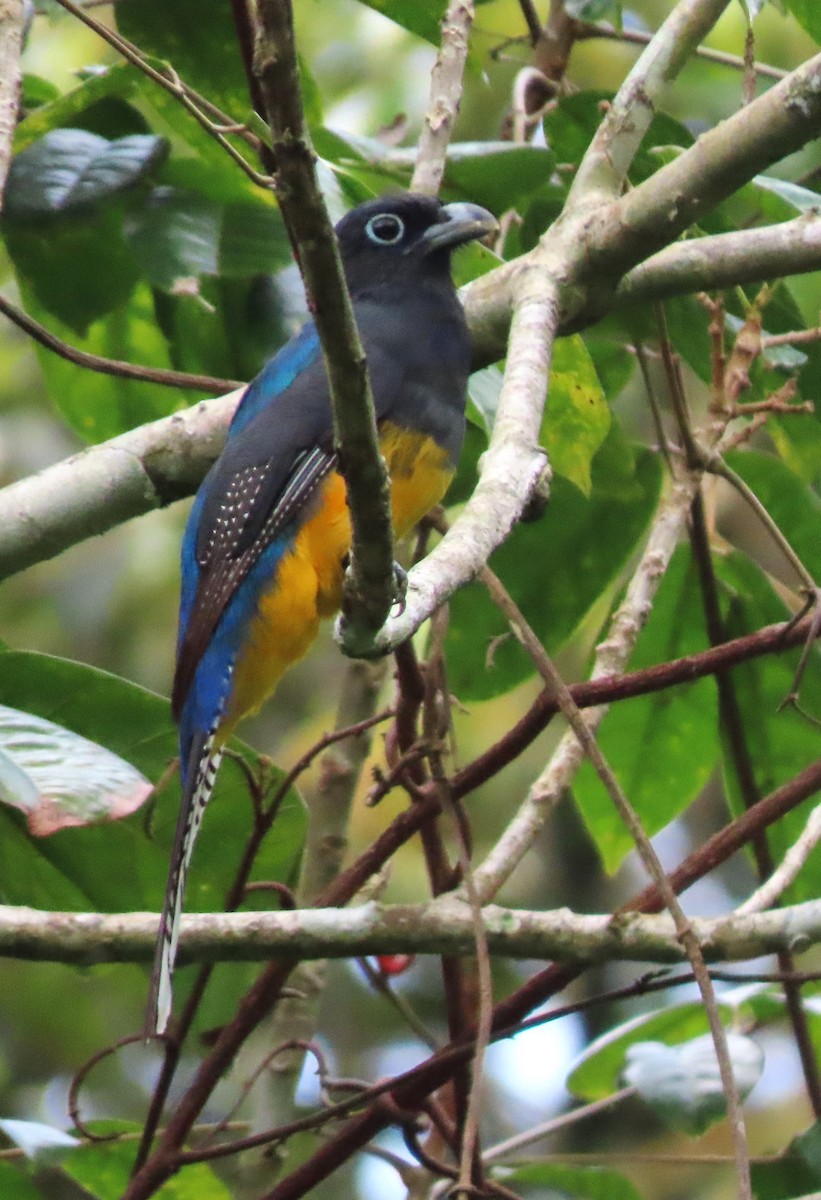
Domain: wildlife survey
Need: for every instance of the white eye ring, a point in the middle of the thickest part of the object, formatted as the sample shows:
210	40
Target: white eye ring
386	229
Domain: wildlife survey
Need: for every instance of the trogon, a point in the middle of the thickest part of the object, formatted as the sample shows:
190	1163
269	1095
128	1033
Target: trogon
265	545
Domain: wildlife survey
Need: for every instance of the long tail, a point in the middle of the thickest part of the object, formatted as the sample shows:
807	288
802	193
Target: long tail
197	788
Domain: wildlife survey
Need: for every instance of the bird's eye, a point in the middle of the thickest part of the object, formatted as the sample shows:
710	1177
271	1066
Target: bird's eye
386	229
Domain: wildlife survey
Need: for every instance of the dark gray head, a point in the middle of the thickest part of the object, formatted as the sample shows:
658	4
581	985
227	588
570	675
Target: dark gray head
406	237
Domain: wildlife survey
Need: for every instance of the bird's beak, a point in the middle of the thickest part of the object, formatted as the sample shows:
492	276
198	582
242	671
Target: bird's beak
459	223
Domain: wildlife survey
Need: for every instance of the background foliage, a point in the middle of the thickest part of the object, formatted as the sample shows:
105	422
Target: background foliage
129	233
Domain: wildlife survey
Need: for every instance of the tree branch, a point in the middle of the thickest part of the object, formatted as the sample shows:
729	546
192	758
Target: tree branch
725	260
369	587
440	926
604	168
105	485
12	22
445	98
113	366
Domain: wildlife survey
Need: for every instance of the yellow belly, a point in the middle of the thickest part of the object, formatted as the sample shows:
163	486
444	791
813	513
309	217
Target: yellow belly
308	582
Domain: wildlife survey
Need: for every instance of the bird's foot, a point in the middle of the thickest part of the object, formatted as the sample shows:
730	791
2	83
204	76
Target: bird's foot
400	586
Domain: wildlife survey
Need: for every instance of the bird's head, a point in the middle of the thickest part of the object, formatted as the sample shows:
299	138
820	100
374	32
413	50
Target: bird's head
405	236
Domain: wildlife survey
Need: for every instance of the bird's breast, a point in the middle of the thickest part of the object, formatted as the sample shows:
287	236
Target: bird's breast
308	581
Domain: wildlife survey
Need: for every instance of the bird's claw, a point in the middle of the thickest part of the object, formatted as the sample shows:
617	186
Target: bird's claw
400	587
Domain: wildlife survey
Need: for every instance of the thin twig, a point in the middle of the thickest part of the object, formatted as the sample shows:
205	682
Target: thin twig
638	37
170	81
556	1125
649	858
788	870
112	366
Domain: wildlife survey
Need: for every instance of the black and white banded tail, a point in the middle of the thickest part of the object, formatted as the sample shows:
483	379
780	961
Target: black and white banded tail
196	794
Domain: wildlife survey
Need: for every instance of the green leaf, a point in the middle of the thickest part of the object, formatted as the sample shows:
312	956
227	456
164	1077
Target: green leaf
683	1085
594	10
57	779
77	268
101	406
796	1173
205	53
120	81
663	747
121	865
808	16
555	568
105	1169
779	742
576	418
597	1072
178	234
497	175
422	17
613	362
570	125
71	170
795	508
561	1179
35	92
14	1185
799	199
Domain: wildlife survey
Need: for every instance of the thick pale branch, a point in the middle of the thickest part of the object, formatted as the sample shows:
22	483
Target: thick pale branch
726	260
165	460
723	159
610	154
442	926
510	468
445	98
12	22
105	485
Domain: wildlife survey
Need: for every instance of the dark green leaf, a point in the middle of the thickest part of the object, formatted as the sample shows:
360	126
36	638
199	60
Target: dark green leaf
77	269
795	508
182	233
120	81
101	406
175	235
36	91
662	747
808	16
497	175
779	742
422	17
205	53
71	170
570	126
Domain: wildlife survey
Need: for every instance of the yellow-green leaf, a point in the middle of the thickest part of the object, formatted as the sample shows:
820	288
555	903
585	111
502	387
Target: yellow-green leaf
577	418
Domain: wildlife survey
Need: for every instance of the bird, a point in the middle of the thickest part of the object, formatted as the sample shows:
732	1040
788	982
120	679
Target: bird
266	542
